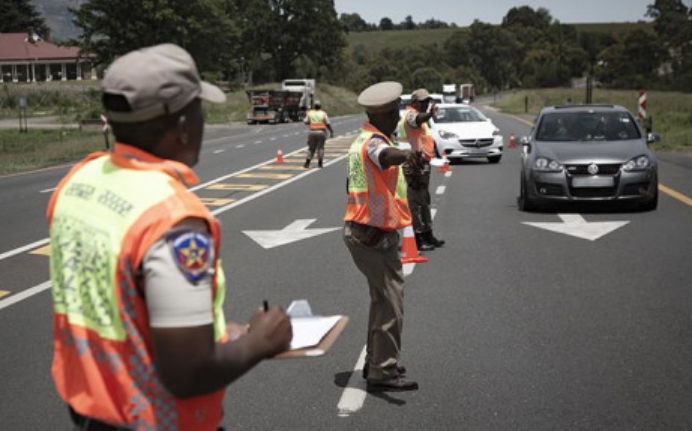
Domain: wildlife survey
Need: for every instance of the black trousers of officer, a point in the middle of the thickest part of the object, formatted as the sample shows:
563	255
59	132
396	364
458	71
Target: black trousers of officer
419	200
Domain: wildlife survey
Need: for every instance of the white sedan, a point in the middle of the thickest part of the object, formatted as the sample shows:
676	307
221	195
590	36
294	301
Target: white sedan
462	131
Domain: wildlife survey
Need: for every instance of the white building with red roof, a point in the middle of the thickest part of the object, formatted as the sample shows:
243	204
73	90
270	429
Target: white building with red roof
25	57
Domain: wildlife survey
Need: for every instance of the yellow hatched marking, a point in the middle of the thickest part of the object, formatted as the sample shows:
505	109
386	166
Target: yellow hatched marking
43	251
268	176
4	293
247	187
216	202
289	160
281	168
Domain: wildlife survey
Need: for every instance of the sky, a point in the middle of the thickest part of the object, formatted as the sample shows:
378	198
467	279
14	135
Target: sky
464	12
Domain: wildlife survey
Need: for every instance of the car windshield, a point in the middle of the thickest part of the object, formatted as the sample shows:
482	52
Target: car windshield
459	115
587	126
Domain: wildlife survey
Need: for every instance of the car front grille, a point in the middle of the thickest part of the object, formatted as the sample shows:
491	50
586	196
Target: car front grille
476	143
603	169
593	192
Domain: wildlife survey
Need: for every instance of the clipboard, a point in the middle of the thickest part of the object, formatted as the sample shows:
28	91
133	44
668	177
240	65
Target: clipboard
319	349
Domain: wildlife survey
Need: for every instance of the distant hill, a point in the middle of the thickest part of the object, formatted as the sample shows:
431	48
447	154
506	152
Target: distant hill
58	17
402	38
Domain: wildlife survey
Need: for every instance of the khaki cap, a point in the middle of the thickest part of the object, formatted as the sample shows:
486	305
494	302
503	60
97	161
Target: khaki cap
420	95
381	97
156	81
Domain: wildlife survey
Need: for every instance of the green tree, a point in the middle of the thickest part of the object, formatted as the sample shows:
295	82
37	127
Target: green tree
20	16
287	30
426	77
110	28
353	22
386	24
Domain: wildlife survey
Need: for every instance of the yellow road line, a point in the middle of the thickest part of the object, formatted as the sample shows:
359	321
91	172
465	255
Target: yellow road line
281	168
43	251
216	202
4	293
246	187
675	194
268	176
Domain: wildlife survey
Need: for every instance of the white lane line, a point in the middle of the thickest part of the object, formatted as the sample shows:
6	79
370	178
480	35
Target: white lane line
272	139
37	289
48	190
240	146
19	250
25	294
257	142
440	190
353	398
448	174
219	151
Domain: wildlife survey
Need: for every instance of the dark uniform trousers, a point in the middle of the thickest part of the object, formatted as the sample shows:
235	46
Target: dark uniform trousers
376	254
316	140
418	186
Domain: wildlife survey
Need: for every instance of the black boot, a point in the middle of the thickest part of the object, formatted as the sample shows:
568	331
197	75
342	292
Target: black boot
319	163
423	244
307	163
434	241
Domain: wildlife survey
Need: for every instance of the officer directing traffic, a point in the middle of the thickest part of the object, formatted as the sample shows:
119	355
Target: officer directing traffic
140	340
413	129
377	208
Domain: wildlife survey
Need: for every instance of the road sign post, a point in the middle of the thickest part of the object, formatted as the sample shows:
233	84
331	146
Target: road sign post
23	124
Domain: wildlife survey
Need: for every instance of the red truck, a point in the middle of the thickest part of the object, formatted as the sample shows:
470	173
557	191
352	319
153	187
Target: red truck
274	106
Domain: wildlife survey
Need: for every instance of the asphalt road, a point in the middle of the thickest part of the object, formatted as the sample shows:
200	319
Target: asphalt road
508	327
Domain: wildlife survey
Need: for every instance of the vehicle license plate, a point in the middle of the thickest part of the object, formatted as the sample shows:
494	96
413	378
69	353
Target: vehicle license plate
593	182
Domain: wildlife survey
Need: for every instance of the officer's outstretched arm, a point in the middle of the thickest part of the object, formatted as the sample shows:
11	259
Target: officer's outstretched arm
394	157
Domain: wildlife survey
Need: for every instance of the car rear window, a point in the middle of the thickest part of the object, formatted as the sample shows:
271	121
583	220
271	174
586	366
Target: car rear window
458	115
587	126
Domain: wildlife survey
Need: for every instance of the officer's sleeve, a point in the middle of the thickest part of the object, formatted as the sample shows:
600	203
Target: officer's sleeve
178	271
375	147
411	119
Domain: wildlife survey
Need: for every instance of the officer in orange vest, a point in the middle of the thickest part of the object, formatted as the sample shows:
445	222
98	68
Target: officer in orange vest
377	208
413	129
318	122
140	339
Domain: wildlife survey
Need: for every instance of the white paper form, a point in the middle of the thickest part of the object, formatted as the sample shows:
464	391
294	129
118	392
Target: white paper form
309	331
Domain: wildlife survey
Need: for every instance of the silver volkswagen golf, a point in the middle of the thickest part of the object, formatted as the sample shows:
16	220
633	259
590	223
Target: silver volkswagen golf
587	153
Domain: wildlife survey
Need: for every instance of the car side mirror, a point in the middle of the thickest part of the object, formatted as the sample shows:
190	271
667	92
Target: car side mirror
652	137
525	141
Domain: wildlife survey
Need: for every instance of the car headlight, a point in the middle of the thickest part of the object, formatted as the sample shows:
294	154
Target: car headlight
447	135
544	164
640	163
496	132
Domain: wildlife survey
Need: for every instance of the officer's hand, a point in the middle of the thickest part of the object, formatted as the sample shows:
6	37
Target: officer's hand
271	330
433	110
236	330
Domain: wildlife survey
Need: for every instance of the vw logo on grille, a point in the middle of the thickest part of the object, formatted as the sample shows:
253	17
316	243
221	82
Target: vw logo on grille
593	169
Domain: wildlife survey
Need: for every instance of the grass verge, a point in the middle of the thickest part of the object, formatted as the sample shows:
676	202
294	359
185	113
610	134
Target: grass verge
42	148
671	112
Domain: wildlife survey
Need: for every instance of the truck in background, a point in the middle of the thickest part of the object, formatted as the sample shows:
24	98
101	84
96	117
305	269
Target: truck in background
466	93
449	93
280	106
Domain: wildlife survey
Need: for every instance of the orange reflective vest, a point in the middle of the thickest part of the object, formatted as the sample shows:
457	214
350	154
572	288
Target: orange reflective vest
103	218
375	197
317	119
420	139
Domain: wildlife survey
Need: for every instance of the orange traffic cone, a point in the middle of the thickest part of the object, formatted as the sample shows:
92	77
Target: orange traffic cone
512	141
445	166
409	250
279	156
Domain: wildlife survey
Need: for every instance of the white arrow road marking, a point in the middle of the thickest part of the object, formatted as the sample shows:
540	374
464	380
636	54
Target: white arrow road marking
291	233
575	225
